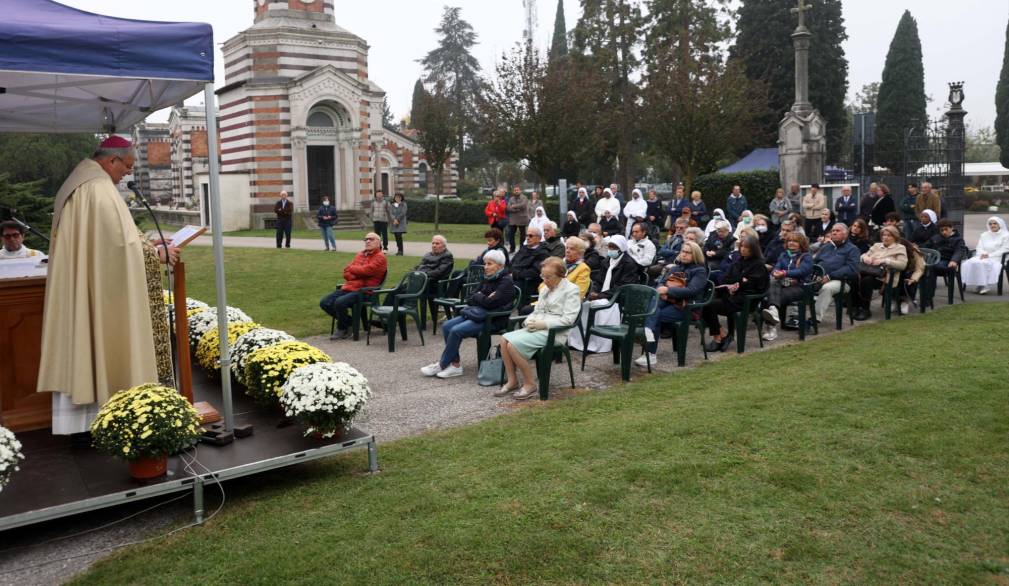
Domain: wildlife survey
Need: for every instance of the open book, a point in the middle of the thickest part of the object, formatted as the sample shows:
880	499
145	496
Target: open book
186	234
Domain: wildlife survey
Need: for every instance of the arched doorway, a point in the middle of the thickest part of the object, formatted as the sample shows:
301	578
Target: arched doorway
325	123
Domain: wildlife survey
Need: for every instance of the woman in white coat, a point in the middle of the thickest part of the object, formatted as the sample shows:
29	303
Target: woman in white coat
635	210
558	306
982	270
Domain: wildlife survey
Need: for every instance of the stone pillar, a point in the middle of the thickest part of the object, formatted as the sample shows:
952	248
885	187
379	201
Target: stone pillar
802	133
299	168
955	146
801	40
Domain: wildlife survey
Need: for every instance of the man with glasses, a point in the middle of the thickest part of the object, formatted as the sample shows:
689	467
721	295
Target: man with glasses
366	270
13	242
97	333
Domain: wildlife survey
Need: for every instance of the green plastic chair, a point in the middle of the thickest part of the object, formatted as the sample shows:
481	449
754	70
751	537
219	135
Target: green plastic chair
891	290
550	353
681	328
844	297
926	287
402	302
483	340
804	303
357	312
741	319
636	302
453	296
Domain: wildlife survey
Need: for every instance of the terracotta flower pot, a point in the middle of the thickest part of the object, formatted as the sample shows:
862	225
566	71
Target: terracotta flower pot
147	468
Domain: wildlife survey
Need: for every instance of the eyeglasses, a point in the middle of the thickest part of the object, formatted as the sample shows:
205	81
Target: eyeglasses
128	167
14	235
367	238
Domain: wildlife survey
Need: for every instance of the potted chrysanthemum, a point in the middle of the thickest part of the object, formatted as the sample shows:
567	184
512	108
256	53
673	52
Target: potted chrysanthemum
10	456
193	306
248	343
267	369
144	425
325	397
200	322
208	350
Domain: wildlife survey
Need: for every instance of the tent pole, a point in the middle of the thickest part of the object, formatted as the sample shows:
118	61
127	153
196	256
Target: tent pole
210	103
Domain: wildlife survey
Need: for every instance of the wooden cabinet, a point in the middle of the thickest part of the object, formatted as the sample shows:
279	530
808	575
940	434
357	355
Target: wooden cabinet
21	302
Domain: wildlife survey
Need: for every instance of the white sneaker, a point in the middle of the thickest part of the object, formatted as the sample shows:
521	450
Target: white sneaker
641	361
982	291
450	371
904	307
771	334
771	315
431	369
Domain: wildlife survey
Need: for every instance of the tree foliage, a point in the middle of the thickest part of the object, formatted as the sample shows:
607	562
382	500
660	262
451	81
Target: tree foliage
981	145
452	66
764	46
901	94
531	112
1002	105
606	41
867	98
437	124
49	157
697	109
559	44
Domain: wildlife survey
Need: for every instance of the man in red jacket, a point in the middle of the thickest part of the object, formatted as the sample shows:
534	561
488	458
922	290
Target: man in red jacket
366	270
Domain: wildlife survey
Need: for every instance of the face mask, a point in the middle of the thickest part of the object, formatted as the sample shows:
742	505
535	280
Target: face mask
613	253
747	220
760	229
325	202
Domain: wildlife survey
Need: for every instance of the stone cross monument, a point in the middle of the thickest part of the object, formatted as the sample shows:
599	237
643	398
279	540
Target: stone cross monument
802	142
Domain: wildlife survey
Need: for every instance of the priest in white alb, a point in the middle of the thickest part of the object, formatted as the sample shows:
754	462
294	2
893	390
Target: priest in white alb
104	327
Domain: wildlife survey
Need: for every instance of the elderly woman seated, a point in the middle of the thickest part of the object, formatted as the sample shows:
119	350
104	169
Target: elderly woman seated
982	270
495	241
719	243
884	256
747	277
679	284
793	268
496	292
558	306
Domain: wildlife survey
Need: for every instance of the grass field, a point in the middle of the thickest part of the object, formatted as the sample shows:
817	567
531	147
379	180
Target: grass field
876	456
278	288
418	232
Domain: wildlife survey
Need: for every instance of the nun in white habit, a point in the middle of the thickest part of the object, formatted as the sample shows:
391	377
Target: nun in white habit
983	269
716	216
609	316
538	220
635	210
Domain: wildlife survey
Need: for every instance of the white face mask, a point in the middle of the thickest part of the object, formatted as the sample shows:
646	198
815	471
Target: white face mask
325	202
760	229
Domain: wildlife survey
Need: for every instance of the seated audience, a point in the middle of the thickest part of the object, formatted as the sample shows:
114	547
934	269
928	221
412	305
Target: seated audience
679	284
839	259
719	244
575	268
671	249
437	264
525	267
619	270
950	247
888	255
745	221
820	231
366	270
495	293
925	229
792	269
747	277
609	224
912	274
592	257
495	241
717	216
571	225
982	270
762	226
777	244
859	235
557	307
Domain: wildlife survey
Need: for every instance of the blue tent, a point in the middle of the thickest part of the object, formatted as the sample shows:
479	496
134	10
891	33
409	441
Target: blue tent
757	160
67	70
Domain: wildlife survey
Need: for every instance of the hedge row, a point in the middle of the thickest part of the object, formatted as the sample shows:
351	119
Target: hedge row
757	186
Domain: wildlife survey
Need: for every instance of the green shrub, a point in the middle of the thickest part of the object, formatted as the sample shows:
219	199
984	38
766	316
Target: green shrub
758	187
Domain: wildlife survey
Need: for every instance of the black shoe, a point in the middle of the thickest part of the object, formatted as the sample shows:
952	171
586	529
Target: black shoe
713	346
811	326
790	324
726	343
861	314
340	334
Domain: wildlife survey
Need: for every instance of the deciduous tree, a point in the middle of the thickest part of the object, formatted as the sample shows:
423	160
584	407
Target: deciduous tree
437	127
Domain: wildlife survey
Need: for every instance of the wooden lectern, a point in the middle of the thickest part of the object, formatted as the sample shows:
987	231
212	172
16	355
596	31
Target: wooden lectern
21	303
207	413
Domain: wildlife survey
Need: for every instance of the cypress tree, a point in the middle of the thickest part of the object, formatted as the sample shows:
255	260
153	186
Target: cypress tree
559	45
1002	106
901	104
764	45
417	103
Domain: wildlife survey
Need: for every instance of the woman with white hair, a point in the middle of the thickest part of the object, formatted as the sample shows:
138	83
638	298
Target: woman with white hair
719	243
745	221
495	292
983	269
635	211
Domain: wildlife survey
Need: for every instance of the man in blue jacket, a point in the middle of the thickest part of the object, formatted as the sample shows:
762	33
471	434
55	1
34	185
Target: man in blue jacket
734	205
846	208
839	259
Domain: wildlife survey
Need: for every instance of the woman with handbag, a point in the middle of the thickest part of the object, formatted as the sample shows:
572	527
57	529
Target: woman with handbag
884	256
792	270
496	291
747	277
679	284
558	306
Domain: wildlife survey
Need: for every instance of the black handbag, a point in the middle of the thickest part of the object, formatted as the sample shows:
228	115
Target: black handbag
868	270
474	313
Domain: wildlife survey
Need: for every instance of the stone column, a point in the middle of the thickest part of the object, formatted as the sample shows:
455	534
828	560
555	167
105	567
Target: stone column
299	167
955	146
801	41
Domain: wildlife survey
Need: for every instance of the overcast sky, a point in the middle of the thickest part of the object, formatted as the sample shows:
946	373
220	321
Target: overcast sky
962	40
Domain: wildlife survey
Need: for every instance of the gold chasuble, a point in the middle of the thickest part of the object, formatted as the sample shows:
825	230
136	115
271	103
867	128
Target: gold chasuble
96	329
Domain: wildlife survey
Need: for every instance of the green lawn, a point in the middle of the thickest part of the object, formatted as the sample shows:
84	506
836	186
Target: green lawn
876	456
418	232
278	288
